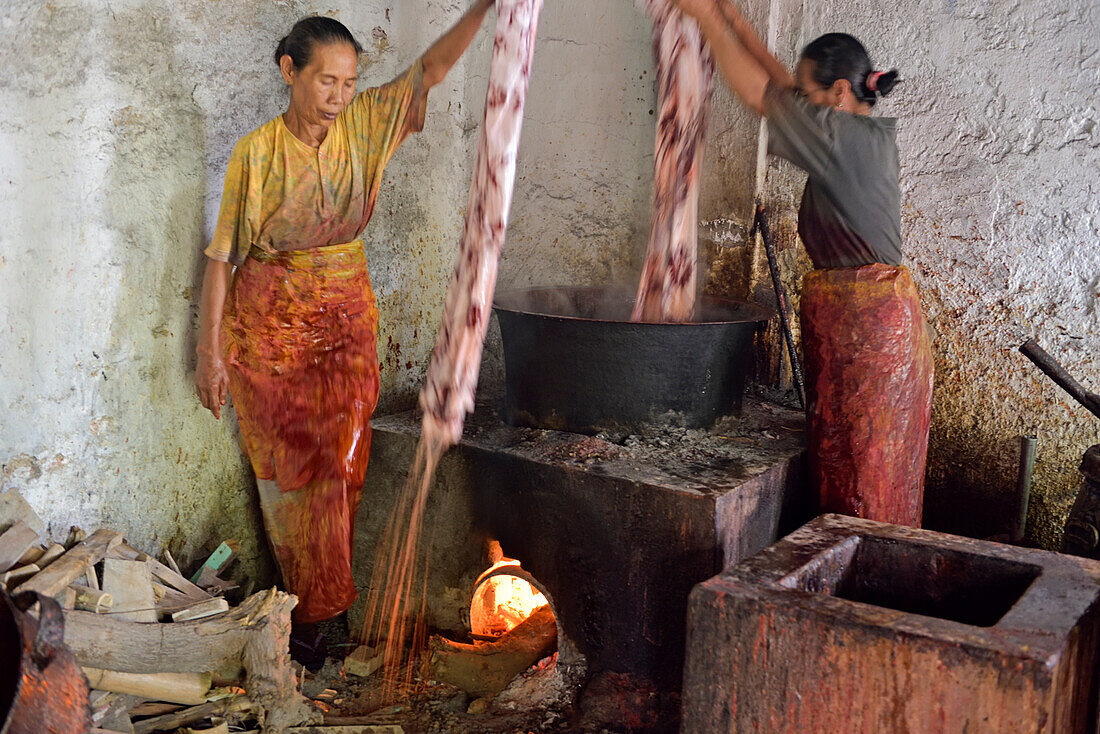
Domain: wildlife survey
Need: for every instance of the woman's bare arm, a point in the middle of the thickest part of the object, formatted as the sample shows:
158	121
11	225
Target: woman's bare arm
442	55
211	377
754	44
744	74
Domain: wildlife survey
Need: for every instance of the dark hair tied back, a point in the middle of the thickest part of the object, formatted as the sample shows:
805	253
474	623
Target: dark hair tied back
310	32
840	56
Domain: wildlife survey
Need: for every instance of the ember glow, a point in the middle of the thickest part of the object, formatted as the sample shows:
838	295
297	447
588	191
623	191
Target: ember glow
503	601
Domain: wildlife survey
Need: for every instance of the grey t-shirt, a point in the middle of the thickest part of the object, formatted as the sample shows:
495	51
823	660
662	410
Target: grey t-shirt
851	208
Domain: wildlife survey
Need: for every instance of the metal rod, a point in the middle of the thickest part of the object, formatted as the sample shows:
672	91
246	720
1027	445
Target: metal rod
1023	486
1058	373
761	223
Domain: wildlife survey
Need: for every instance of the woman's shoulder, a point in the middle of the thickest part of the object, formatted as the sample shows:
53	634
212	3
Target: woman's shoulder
258	141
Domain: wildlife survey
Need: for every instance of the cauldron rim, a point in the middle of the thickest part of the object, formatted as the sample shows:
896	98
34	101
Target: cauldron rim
751	311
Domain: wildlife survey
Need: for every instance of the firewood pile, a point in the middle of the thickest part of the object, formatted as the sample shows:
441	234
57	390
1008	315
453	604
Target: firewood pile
161	650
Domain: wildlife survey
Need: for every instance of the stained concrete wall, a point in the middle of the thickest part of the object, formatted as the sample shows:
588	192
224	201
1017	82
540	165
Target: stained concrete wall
118	121
1000	154
119	118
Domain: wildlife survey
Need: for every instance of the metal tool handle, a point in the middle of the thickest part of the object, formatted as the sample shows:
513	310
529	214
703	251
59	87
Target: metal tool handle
761	223
1057	372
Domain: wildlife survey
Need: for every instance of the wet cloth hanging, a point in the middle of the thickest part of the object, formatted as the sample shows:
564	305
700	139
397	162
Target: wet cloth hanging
300	327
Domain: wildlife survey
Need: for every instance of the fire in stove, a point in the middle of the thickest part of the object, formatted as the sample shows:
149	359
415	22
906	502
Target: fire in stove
504	596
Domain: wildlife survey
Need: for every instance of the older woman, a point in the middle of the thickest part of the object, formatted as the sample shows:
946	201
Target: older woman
868	355
292	335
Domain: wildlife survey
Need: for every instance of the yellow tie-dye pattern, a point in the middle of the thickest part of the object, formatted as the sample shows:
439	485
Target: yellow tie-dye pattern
282	194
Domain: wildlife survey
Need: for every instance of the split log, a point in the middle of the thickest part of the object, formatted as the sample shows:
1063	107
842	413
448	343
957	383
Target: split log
485	669
201	610
162	572
130	583
91	600
252	639
32	555
14	542
55	551
91	578
76	536
19	574
68	568
188	688
177	719
14	508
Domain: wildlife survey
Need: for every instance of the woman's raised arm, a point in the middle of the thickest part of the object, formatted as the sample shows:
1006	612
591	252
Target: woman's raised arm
754	45
745	75
442	55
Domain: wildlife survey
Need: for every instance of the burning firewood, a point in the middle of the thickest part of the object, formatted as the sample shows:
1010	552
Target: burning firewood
486	668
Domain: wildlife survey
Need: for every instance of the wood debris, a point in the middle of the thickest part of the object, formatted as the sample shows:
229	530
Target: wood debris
147	676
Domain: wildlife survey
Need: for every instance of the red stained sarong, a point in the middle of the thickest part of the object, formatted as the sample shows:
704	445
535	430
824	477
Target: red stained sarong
299	339
869	383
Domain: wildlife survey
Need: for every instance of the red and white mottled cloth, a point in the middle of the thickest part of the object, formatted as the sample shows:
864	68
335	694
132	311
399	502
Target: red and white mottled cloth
448	391
685	78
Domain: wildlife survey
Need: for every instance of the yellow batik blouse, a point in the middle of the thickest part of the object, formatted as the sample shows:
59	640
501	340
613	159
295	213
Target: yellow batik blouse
282	194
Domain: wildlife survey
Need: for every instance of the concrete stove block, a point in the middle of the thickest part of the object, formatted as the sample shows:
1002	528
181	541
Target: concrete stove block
851	625
618	533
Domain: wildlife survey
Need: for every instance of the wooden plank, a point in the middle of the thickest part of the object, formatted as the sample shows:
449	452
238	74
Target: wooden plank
187	688
14	508
203	609
14	542
162	572
68	568
130	583
218	560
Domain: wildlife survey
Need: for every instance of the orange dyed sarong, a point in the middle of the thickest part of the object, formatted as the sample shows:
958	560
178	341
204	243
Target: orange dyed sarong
299	338
869	383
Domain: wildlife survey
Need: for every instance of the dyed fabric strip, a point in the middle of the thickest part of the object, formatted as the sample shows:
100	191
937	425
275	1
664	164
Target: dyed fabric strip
448	391
869	383
685	80
299	339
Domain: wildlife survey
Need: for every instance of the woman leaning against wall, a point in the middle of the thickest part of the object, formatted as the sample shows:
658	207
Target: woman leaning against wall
289	322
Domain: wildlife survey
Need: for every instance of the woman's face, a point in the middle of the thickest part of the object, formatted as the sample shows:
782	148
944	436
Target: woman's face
814	93
321	91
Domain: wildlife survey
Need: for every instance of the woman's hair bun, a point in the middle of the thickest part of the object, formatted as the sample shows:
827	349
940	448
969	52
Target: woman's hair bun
885	82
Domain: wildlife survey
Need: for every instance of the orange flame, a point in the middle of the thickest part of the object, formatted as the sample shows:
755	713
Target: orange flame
502	602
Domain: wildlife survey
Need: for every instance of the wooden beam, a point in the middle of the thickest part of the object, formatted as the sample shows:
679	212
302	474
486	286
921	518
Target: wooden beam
54	579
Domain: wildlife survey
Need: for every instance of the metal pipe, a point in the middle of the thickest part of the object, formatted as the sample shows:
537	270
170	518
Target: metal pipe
1057	372
761	223
1023	486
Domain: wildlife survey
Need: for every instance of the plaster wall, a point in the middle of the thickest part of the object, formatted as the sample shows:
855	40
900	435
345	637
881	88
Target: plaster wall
119	120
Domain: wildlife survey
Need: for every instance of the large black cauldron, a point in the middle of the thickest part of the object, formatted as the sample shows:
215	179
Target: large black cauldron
575	362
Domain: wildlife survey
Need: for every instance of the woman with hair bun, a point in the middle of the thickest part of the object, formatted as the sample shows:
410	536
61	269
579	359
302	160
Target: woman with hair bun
867	349
292	334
